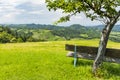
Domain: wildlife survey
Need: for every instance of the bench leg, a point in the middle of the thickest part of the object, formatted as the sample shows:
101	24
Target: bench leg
75	56
75	62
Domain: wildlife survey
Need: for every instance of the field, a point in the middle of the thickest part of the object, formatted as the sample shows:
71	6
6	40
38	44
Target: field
48	61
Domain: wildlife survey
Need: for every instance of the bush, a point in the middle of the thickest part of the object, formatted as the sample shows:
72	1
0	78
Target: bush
5	37
19	40
13	40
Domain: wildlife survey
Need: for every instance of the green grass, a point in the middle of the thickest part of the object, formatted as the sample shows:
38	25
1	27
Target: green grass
48	61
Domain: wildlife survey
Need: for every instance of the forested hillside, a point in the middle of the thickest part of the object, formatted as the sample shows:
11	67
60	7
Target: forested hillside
38	32
100	27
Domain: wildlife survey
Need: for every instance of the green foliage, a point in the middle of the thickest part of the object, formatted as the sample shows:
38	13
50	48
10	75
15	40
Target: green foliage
20	40
63	19
104	10
24	35
70	7
35	33
66	33
13	40
5	37
8	35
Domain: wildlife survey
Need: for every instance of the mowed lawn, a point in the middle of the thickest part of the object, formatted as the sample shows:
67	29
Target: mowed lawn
48	61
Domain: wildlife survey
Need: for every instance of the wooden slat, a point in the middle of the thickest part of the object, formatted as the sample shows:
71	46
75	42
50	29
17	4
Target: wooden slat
92	57
113	53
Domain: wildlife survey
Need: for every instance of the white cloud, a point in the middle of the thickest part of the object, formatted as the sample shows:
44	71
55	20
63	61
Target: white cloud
38	1
78	17
35	11
17	2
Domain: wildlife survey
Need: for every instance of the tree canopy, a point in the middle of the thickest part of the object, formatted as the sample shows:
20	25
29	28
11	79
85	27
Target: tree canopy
103	10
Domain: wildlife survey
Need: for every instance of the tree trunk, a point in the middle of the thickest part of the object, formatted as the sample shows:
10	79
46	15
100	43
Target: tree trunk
103	43
102	47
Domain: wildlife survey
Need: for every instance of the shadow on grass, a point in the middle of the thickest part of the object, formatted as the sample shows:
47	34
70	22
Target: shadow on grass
83	62
111	69
107	70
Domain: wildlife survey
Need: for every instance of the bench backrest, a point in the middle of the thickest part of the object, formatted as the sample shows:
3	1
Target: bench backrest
113	53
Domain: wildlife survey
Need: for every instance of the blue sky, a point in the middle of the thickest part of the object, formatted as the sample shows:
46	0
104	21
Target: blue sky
35	11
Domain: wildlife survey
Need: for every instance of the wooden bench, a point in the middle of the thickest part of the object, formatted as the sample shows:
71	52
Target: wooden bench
87	52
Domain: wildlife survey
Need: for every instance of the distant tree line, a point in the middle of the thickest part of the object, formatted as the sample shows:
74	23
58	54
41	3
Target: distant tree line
8	35
35	33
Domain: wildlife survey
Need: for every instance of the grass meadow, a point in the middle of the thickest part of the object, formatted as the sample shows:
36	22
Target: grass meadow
48	61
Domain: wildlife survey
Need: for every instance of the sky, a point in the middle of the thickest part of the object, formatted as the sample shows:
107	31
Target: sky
35	11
